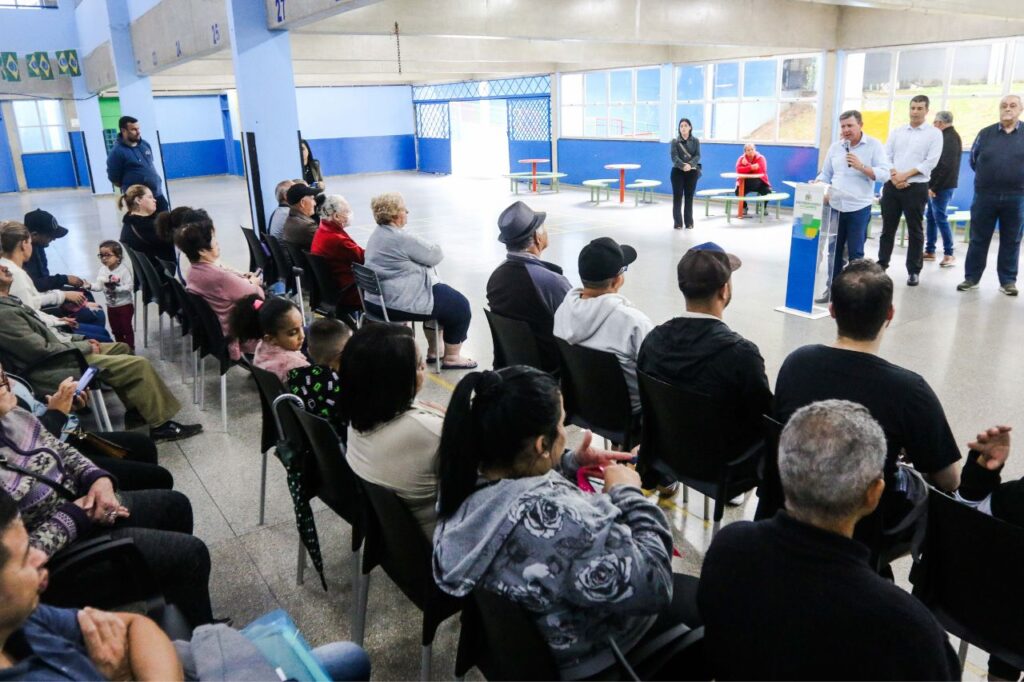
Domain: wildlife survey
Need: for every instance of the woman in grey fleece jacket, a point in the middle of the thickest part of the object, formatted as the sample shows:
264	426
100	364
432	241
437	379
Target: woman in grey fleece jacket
512	521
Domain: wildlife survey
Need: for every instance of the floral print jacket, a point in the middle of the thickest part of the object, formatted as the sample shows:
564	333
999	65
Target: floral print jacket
589	566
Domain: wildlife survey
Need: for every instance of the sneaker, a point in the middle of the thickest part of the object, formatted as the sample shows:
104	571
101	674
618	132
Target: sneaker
172	430
948	262
1009	289
689	227
825	297
677	227
966	285
928	256
913	280
667	492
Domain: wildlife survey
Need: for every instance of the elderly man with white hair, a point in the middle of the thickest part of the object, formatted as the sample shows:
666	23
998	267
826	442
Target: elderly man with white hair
335	246
794	597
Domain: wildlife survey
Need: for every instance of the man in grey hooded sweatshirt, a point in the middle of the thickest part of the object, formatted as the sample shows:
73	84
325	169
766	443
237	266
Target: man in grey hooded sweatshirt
597	316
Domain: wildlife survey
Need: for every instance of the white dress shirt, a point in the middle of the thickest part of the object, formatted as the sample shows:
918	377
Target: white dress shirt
853	189
919	148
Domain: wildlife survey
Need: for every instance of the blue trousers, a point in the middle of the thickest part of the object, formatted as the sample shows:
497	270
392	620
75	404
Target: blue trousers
451	310
939	222
986	211
93	331
850	233
343	661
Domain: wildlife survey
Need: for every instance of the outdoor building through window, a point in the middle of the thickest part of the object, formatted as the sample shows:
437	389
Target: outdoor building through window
625	103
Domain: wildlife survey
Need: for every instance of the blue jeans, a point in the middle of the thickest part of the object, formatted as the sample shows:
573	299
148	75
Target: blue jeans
451	310
939	222
343	661
986	211
93	331
851	232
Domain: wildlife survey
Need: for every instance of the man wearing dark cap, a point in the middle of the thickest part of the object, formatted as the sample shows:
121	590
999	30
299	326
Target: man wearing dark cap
697	350
597	316
300	225
524	287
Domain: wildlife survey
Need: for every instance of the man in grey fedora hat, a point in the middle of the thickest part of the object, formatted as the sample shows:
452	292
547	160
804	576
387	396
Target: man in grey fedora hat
524	287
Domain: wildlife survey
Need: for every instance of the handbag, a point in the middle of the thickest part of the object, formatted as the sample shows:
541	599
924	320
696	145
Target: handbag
688	157
96	444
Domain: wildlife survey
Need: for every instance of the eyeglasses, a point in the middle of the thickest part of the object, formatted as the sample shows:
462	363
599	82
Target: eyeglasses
101	256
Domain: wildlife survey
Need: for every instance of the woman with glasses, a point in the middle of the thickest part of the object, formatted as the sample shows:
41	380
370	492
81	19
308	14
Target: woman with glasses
405	263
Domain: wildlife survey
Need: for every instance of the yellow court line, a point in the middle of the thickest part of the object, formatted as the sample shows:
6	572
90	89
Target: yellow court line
441	382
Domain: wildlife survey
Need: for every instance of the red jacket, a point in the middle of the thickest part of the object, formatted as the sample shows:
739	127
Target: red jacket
758	165
340	251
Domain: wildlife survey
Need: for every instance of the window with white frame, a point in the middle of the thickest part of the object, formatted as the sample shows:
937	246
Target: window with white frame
966	79
624	103
40	125
29	4
765	100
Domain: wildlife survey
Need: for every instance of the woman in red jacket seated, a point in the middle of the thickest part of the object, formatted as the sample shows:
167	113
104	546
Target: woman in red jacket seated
752	162
333	243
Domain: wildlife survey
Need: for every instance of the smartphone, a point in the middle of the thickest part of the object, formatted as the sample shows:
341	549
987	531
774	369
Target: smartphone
259	273
87	377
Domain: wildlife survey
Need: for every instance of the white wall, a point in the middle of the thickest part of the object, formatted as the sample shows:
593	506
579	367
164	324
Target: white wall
93	25
136	8
188	119
355	111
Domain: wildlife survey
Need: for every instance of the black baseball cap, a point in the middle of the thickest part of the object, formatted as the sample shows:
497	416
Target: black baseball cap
603	259
705	269
297	191
42	222
517	222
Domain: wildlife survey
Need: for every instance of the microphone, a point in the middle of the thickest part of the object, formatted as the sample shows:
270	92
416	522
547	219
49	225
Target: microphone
846	146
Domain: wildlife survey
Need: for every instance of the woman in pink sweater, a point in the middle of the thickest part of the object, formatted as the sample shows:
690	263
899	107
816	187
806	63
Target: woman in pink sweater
218	286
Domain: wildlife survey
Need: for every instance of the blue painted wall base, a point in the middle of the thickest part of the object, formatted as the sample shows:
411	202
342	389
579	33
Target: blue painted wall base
49	170
379	153
434	155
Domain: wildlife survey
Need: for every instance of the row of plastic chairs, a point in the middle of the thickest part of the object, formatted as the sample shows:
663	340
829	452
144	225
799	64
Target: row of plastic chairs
494	631
681	429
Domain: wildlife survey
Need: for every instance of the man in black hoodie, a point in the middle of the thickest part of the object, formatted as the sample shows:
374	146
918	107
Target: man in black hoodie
697	350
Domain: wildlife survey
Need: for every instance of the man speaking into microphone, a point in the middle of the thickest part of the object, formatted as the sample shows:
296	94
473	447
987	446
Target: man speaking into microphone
852	166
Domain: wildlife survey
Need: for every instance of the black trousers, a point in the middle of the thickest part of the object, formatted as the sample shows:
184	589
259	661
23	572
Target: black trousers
137	471
909	203
160	525
684	184
755	186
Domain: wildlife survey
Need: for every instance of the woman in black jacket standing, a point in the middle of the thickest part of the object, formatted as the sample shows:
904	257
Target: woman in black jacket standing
685	173
310	166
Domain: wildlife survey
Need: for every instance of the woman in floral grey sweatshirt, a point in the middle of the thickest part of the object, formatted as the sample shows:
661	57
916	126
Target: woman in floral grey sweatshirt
513	521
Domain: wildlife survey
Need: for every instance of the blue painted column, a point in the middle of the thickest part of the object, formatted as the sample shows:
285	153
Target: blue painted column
90	123
134	91
266	100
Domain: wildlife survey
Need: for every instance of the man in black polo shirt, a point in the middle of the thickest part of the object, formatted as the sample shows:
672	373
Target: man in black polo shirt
997	158
525	287
794	597
900	400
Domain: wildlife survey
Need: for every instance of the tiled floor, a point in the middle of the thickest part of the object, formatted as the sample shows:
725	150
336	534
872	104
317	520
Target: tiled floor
966	346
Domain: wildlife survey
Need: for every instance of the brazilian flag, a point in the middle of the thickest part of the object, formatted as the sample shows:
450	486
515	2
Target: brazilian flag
32	63
9	66
67	63
45	71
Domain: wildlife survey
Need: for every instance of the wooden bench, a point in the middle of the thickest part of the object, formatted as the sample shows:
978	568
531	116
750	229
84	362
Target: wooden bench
706	195
644	190
596	185
514	179
760	201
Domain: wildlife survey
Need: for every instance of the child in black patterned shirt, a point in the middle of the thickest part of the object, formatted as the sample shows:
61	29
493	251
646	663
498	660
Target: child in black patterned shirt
317	384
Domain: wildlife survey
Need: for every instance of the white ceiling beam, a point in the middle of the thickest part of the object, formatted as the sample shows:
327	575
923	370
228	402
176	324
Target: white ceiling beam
864	28
980	8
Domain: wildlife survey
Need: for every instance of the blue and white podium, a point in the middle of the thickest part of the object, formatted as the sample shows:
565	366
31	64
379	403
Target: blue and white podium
804	245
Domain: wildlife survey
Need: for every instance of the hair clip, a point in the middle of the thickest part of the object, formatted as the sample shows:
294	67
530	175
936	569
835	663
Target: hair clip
257	304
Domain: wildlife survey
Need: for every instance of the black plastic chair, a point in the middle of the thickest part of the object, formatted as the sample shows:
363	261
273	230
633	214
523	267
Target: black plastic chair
136	585
145	274
269	387
686	435
367	282
396	542
324	294
257	257
595	393
213	344
339	488
283	265
983	609
75	363
514	342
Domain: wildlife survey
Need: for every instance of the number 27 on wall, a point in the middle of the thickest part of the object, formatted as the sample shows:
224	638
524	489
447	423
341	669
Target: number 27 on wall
280	9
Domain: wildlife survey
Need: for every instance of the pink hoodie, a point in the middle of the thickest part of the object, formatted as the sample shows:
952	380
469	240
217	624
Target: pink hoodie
275	359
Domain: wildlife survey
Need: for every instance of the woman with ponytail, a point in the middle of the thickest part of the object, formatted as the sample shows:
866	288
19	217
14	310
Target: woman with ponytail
511	520
138	227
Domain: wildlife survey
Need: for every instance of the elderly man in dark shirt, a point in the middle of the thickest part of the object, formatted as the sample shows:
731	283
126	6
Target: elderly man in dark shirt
997	158
941	186
794	597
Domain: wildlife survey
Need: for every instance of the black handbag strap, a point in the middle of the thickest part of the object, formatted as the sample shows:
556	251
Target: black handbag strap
60	488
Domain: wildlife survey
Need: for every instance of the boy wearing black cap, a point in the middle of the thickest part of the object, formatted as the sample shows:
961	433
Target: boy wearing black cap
597	316
300	225
525	287
44	228
697	350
